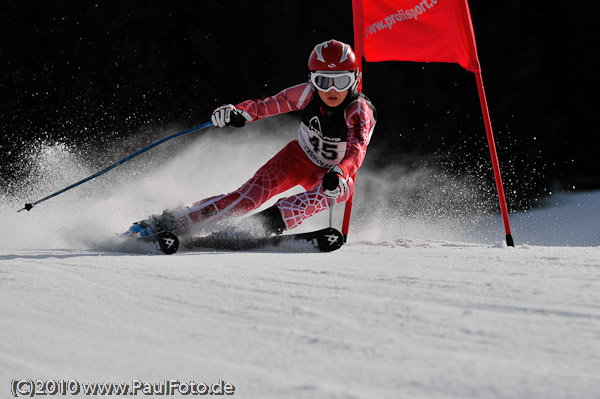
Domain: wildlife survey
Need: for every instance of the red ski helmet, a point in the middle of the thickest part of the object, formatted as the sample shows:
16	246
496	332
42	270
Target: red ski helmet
332	56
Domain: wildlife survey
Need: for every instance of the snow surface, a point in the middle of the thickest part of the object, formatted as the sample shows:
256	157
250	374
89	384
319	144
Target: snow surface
412	307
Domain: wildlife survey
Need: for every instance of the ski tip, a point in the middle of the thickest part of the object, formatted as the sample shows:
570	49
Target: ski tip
163	241
330	240
325	240
168	243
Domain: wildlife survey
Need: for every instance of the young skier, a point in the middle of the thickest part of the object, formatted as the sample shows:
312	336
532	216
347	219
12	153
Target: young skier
337	123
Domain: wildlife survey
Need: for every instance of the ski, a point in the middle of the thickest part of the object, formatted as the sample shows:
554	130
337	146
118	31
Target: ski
325	240
163	242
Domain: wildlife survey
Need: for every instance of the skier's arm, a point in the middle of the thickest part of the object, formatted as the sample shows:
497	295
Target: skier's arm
360	119
291	99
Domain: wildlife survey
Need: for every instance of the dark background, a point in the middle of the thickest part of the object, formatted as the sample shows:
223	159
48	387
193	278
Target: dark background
96	72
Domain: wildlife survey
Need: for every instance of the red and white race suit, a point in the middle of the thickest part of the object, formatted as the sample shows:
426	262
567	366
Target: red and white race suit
326	137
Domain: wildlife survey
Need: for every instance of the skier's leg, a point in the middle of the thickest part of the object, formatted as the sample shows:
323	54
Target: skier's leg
295	209
277	175
202	214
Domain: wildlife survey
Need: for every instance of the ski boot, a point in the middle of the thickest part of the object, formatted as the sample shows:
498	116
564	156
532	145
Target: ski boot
248	233
152	225
141	229
263	224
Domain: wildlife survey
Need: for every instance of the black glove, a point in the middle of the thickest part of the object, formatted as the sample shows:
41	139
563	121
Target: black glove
334	182
228	115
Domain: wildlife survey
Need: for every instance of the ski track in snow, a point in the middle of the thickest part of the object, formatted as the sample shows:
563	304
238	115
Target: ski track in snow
410	308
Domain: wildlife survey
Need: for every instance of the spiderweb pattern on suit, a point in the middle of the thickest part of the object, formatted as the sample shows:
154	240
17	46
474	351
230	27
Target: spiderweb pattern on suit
297	208
285	170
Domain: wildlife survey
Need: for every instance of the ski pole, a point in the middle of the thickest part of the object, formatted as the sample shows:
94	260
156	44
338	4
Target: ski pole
331	204
122	161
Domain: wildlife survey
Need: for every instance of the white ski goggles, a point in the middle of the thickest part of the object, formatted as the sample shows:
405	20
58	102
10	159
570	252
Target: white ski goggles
338	81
